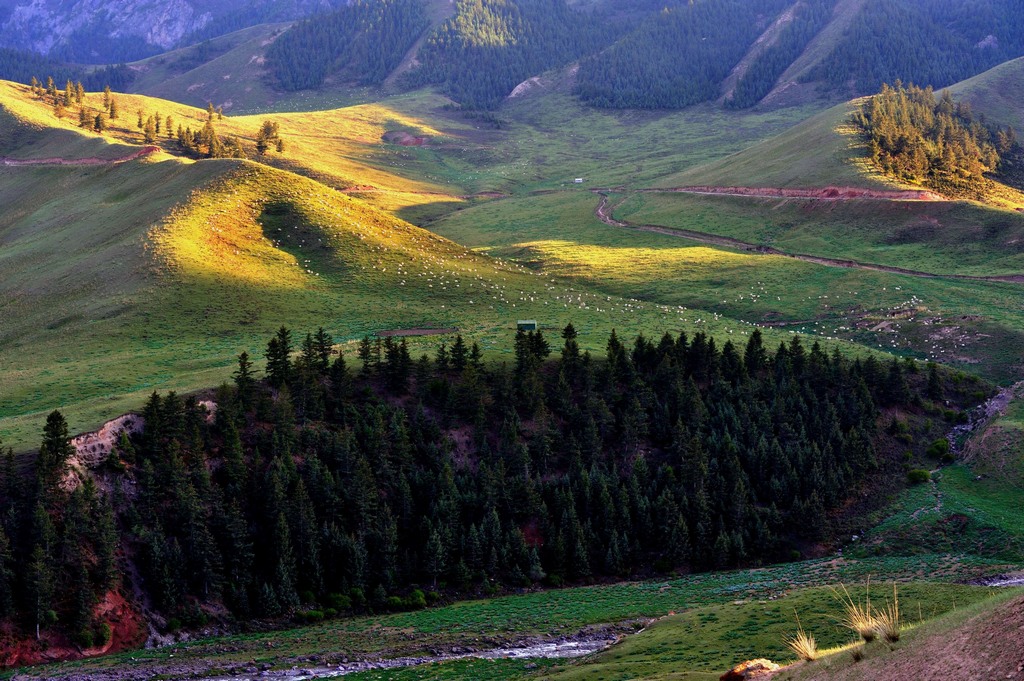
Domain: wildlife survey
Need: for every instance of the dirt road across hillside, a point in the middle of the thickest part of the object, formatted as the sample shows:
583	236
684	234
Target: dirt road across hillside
604	210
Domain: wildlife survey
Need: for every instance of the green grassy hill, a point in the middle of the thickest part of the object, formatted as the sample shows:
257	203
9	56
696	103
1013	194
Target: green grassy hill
821	151
997	92
228	71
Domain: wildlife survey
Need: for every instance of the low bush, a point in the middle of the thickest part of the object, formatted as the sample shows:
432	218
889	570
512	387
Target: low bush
918	476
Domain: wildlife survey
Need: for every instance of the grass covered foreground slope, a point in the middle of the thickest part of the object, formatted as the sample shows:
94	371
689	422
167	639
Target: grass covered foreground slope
182	264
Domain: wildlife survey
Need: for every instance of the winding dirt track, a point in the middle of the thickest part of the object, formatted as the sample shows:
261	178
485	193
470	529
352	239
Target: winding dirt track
604	214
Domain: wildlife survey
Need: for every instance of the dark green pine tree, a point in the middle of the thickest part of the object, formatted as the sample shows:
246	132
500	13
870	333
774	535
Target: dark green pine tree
279	350
459	354
6	576
245	381
324	350
56	449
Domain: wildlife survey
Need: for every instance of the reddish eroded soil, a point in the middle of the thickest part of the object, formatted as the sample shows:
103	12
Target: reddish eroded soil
89	161
405	139
823	194
128	632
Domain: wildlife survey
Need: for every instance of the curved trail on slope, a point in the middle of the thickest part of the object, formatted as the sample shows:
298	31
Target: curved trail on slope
90	161
603	212
830	193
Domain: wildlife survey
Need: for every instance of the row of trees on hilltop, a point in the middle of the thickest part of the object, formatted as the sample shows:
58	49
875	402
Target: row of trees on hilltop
917	137
363	42
677	57
202	142
323	488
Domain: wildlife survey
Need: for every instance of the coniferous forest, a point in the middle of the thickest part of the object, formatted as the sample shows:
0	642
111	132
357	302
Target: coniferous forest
922	41
935	141
21	66
323	488
759	79
478	56
362	42
678	57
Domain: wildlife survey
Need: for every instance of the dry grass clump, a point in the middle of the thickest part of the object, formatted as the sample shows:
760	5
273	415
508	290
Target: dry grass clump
889	619
859	616
802	644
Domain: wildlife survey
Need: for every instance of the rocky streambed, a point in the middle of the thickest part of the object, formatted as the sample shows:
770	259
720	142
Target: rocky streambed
566	648
337	662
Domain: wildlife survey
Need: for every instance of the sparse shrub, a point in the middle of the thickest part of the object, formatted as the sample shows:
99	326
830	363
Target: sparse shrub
857	654
417	600
938	449
330	613
82	638
918	476
394	603
358	598
101	634
338	602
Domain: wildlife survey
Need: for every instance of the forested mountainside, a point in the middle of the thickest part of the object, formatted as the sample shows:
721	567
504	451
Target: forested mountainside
928	42
680	56
325	488
490	46
677	57
22	66
362	42
635	54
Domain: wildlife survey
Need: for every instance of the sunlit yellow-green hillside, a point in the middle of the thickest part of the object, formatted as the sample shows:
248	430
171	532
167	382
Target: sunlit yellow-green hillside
344	148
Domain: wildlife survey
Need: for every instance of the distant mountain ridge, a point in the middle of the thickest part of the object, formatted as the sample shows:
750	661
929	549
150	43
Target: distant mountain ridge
101	31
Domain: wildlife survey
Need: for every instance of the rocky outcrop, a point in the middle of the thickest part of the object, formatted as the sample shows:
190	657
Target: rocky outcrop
40	25
751	669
